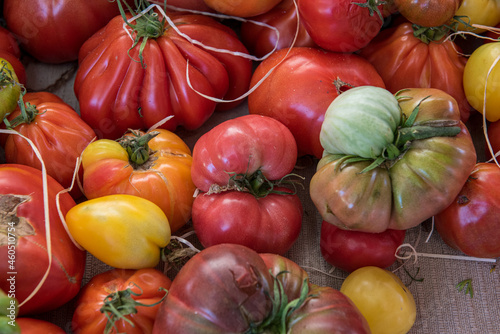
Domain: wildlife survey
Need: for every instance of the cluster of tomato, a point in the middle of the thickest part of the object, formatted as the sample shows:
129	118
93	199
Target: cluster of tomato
116	181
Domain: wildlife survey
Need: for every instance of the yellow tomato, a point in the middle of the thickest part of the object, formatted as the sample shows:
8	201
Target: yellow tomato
242	8
483	12
475	74
385	302
123	231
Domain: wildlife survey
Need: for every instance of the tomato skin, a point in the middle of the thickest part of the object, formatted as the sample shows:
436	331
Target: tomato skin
309	73
398	194
243	145
477	76
351	250
242	8
386	303
428	13
57	131
146	283
10	89
340	26
261	40
107	226
404	61
34	326
493	137
125	95
52	32
470	223
9	50
68	262
482	12
222	289
270	224
164	179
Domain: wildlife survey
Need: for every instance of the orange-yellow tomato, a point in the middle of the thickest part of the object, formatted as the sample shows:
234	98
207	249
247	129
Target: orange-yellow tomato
164	177
242	8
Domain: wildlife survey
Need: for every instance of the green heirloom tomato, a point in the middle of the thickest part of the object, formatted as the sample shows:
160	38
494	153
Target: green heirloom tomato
381	297
123	231
415	177
372	113
8	312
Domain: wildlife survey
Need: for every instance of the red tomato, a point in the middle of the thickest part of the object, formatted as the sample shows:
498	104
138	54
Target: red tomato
405	61
246	154
342	25
242	8
57	131
117	92
428	13
350	250
186	4
9	50
261	40
123	290
36	326
470	223
300	89
53	32
24	250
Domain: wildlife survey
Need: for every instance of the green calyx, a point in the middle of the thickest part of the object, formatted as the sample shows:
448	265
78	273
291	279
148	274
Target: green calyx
28	114
404	135
137	146
276	322
372	6
119	304
257	184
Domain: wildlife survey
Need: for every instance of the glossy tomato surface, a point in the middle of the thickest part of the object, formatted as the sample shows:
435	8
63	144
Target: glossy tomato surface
26	244
470	223
302	85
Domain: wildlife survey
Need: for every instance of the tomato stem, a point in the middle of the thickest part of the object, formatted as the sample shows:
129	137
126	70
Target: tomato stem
258	185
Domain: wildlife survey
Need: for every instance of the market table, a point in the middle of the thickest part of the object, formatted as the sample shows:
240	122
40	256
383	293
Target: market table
441	308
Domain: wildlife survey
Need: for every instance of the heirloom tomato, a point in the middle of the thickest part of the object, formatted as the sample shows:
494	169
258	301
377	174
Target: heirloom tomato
57	131
385	302
351	250
493	138
431	157
242	8
342	25
9	50
240	167
481	80
25	241
428	13
199	5
407	58
53	32
123	84
35	326
120	301
123	231
10	89
482	12
301	86
470	223
229	288
9	308
260	40
155	165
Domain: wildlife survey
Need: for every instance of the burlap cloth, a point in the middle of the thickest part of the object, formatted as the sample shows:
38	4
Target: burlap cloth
441	308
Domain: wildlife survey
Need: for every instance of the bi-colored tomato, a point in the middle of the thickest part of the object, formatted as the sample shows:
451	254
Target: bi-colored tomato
385	302
155	165
392	191
301	87
57	131
10	88
121	85
470	223
428	13
120	301
481	80
123	231
25	244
